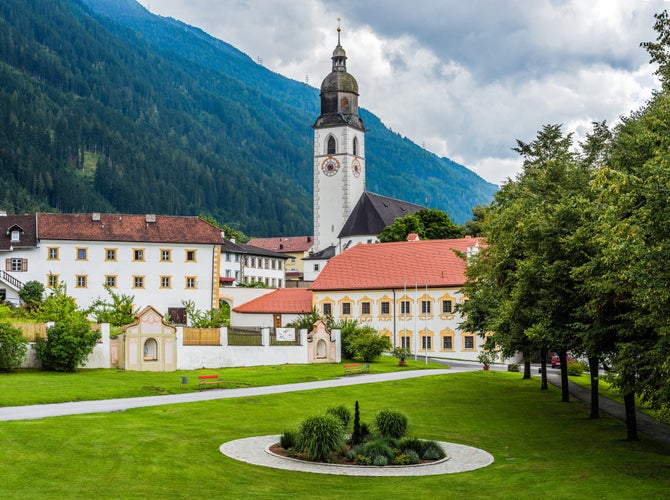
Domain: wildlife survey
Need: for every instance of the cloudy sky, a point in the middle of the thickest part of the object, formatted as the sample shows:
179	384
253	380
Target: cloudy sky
464	79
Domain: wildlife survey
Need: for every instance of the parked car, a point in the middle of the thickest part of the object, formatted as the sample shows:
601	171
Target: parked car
556	361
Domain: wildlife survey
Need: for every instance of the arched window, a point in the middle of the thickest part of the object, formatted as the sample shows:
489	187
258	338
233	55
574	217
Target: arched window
331	145
355	146
150	350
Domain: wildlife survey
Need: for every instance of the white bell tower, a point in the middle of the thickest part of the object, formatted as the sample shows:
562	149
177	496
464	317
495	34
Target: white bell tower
339	152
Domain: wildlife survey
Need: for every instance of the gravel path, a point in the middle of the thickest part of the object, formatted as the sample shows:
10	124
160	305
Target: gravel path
256	450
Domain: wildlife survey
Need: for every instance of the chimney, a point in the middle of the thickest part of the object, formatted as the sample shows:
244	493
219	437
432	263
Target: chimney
413	237
95	216
3	213
151	218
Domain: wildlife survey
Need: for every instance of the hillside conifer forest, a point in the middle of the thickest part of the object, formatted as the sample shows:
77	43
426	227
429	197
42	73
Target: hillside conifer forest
109	108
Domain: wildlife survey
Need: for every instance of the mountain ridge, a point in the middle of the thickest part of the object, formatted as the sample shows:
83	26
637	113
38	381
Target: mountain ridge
116	109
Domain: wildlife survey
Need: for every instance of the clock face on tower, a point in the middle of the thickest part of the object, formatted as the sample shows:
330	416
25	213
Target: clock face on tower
356	168
330	166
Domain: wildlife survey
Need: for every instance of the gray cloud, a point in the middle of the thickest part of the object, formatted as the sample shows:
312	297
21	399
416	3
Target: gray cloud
471	76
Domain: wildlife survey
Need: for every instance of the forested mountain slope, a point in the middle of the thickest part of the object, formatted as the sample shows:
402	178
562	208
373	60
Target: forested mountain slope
115	109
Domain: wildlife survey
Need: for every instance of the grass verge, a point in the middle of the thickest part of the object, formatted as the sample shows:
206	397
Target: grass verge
541	447
28	387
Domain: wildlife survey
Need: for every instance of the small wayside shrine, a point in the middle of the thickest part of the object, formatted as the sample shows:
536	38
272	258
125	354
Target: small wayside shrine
147	345
322	347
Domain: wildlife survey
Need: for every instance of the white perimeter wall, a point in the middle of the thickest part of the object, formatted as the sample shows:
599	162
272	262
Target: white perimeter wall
195	357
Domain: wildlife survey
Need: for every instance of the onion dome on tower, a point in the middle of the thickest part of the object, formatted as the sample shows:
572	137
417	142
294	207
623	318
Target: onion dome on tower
339	94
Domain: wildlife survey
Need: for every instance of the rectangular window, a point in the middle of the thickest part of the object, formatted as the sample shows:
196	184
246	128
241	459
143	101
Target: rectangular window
110	281
166	255
227	257
426	342
328	309
190	282
82	280
110	254
52	280
53	253
138	281
82	254
229	273
16	265
237	257
469	342
316	267
447	308
165	282
385	308
16	236
190	256
365	309
346	309
448	343
404	307
406	342
425	307
138	254
237	276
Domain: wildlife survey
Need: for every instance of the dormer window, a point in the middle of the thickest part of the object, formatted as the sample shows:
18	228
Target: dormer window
16	236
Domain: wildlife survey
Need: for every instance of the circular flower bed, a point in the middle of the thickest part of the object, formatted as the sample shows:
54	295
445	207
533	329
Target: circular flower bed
322	438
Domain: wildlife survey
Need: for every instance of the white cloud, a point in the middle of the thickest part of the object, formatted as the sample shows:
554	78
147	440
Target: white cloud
465	79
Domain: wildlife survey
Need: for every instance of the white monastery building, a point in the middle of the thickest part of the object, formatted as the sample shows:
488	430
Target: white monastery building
408	291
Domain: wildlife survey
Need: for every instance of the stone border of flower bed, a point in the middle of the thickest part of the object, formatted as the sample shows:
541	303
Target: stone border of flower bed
256	451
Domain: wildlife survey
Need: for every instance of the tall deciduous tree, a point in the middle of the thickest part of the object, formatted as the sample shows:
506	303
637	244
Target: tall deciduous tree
429	224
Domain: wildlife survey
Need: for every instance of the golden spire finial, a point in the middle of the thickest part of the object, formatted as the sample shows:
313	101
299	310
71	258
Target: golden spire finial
338	30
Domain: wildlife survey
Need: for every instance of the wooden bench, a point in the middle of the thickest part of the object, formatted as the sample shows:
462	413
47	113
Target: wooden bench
353	368
206	380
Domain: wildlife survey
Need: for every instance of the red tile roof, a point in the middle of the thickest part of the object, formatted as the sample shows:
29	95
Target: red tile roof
124	227
431	263
291	244
282	300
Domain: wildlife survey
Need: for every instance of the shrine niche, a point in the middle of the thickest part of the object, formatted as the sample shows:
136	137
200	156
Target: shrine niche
321	347
147	345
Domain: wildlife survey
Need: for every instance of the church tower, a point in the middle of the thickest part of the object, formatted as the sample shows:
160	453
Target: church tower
339	153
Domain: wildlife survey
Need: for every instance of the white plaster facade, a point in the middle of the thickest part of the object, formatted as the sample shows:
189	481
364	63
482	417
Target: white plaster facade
161	275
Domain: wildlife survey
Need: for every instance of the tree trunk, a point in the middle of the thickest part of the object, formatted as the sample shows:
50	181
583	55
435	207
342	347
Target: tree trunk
631	418
595	399
565	388
543	369
526	365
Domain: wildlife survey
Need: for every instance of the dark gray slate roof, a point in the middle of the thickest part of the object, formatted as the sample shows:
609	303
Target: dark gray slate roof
326	253
374	212
252	250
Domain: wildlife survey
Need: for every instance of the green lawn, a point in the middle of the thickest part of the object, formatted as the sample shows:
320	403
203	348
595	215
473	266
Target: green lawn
27	387
542	447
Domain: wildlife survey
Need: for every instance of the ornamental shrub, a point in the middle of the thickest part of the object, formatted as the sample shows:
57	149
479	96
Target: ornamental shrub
320	436
68	344
289	439
391	423
575	368
362	460
402	459
12	347
432	450
380	461
341	412
376	448
413	444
